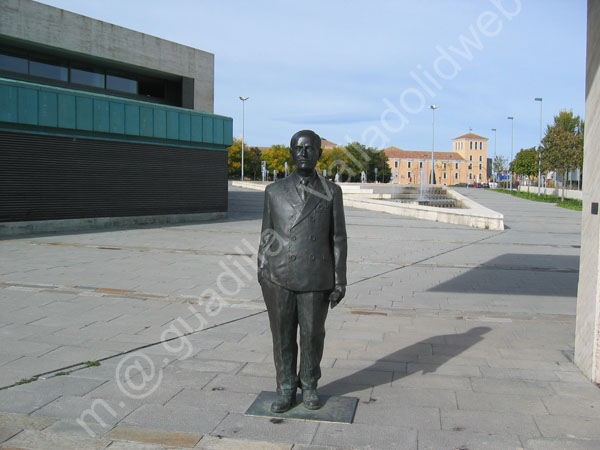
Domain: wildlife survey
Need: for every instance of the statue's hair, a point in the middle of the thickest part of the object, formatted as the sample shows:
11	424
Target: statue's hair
314	137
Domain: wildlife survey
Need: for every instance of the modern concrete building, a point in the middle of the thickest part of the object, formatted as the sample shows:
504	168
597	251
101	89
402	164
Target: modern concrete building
100	122
466	163
587	338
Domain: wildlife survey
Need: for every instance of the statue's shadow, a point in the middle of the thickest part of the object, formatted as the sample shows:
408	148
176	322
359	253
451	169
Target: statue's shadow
425	356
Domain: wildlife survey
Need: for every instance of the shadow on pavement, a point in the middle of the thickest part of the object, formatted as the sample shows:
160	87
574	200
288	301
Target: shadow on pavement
422	355
519	274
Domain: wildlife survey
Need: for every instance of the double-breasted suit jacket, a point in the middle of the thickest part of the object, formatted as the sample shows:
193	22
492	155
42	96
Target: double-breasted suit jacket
303	244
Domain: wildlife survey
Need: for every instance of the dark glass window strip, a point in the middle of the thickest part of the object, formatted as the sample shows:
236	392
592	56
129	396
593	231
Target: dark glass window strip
154	89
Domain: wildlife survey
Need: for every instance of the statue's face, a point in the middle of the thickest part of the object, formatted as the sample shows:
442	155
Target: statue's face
305	154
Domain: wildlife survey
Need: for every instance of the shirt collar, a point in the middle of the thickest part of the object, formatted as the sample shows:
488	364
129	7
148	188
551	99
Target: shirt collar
299	179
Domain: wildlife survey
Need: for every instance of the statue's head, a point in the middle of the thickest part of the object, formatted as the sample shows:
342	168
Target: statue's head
305	148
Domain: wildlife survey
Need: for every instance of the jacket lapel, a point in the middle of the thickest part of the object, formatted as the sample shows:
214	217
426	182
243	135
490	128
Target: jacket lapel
291	194
316	192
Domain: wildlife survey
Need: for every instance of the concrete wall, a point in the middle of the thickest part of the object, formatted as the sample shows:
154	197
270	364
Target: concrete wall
587	338
557	192
46	25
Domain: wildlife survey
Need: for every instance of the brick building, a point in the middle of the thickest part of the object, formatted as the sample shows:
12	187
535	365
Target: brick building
466	163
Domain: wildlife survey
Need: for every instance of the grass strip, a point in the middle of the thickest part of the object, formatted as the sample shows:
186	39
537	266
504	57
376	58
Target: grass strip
568	203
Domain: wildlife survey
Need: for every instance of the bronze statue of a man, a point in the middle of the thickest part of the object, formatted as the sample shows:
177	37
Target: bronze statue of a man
301	268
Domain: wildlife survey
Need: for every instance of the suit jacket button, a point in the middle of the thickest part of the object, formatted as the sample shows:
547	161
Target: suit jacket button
312	257
293	257
312	238
293	238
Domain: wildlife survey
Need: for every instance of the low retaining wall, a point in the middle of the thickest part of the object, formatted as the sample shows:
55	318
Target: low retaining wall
470	214
102	223
556	192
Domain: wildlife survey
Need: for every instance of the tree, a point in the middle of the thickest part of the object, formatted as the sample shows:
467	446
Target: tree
379	160
252	159
335	161
562	146
276	156
526	162
499	164
234	160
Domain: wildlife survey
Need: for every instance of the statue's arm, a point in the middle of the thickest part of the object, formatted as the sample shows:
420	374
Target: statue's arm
266	234
340	247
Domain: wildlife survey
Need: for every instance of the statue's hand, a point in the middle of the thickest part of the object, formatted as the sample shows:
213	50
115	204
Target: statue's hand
337	295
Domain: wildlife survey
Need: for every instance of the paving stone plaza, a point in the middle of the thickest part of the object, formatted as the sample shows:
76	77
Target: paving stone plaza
450	337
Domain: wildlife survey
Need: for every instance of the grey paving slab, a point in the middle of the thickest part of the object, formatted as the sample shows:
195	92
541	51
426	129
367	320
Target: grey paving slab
24	402
430	398
241	383
435	440
107	412
71	428
359	436
63	385
143	392
222	400
574	427
186	419
523	404
431	381
489	421
262	428
46	440
398	414
507	386
560	444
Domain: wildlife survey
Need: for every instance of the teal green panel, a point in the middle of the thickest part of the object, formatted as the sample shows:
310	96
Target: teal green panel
197	128
173	125
228	132
218	134
117	118
101	116
85	113
132	120
146	122
66	111
185	133
48	109
8	104
28	106
160	123
207	129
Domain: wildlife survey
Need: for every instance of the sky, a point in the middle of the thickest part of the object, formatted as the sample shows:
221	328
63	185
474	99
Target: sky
368	71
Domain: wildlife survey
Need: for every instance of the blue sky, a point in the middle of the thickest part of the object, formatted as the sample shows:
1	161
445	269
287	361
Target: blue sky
368	70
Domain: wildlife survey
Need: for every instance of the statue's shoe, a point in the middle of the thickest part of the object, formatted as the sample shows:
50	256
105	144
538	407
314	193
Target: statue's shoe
311	399
283	403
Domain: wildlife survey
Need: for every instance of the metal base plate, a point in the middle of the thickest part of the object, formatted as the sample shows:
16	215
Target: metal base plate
334	409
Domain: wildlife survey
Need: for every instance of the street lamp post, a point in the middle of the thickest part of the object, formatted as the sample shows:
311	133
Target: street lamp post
494	160
433	108
512	141
539	99
243	99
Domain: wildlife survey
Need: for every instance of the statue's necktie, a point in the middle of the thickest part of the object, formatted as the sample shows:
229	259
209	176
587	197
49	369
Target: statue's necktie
303	192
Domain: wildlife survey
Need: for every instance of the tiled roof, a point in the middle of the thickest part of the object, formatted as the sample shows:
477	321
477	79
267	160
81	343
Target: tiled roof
395	152
470	136
327	144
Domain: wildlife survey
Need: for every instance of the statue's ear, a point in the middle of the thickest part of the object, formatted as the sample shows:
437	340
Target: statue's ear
320	152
